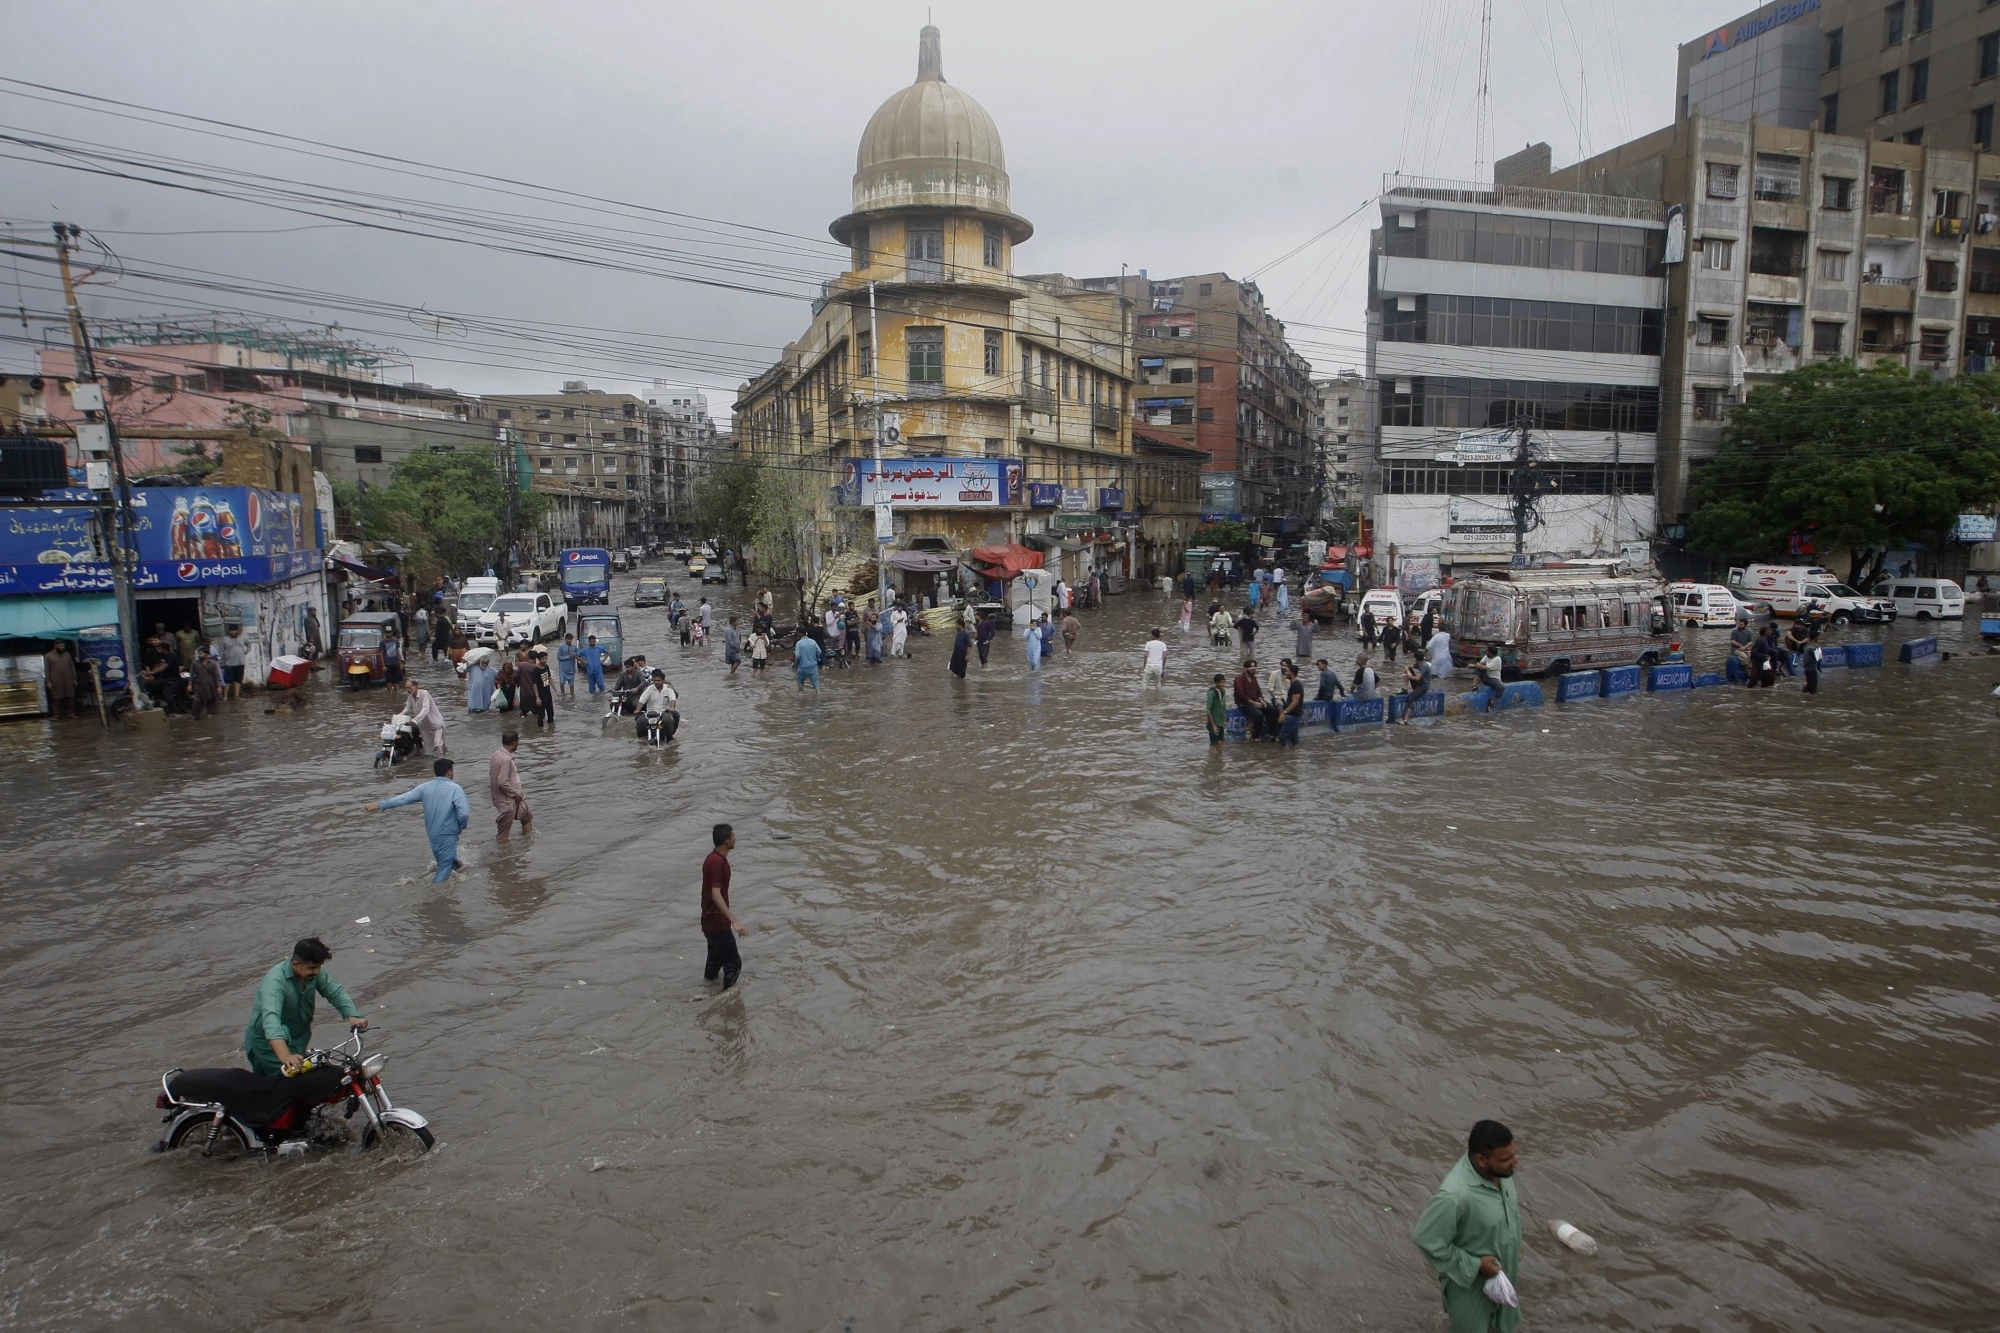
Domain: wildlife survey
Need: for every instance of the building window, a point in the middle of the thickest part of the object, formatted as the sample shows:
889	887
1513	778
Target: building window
163	383
367	453
569	414
1982	127
1206	375
1711	331
992	252
541	414
505	414
1771	325
1027	368
1709	403
1940	275
1045	372
1892	23
1826	337
1833	45
1925	13
1934	345
864	355
548	465
570	440
992	366
1722	180
1920	80
1181	375
861	252
1915	136
1989	55
1718	254
1208	289
1776	178
1833	265
1829	113
1889	84
1836	192
1205	414
1885	190
923	251
1781	254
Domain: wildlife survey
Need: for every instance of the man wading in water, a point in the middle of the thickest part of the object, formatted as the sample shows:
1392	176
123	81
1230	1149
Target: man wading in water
718	924
1470	1232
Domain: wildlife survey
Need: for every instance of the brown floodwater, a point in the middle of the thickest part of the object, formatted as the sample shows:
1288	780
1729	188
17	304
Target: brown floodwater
1050	1017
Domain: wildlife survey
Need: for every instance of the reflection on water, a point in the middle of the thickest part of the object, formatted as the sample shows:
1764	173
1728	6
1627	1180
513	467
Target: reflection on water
1049	1014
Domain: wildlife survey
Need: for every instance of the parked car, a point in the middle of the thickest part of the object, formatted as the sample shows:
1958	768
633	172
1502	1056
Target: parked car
651	592
1792	588
715	572
1925	599
524	617
1711	605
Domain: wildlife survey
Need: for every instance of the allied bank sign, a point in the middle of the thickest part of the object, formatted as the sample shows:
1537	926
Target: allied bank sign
1725	39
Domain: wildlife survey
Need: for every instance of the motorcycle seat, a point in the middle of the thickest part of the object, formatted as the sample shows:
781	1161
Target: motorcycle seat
256	1099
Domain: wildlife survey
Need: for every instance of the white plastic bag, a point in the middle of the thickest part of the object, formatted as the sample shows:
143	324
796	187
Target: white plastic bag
1500	1291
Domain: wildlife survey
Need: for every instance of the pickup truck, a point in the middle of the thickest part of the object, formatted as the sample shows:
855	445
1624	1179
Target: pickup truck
523	617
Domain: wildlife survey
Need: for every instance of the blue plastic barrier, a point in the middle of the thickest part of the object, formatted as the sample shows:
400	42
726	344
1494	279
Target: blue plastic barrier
1918	650
1430	704
1672	676
1351	713
1706	679
1572	685
1235	725
1837	655
1521	694
1319	713
1620	680
1861	654
1733	672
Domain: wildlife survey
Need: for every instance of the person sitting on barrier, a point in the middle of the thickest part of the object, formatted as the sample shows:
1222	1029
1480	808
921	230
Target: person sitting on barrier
1418	678
1329	684
1259	713
1489	667
1364	679
1740	639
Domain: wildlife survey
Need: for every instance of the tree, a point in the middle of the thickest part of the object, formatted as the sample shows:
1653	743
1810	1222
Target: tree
1869	460
725	506
1226	534
784	525
450	509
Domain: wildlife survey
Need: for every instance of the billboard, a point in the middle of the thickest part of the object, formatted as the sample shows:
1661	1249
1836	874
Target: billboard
183	536
933	483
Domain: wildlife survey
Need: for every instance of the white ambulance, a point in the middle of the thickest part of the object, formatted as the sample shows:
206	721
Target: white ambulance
1789	587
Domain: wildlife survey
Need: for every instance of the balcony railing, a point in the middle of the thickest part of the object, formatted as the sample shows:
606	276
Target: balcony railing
1039	400
1104	417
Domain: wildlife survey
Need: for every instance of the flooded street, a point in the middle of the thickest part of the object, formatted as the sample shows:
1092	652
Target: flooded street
1049	1018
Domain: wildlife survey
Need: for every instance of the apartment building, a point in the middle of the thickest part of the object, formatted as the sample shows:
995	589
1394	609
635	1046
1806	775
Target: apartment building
683	444
1345	435
1919	72
1514	340
1214	370
1804	246
587	450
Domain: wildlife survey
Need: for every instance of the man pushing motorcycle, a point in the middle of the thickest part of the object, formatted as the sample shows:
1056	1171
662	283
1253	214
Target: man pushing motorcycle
280	1027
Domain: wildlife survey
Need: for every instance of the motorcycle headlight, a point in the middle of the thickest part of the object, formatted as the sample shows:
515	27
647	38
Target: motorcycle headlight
372	1066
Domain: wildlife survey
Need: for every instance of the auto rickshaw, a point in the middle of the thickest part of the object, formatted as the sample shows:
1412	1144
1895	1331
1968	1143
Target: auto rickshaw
604	622
362	660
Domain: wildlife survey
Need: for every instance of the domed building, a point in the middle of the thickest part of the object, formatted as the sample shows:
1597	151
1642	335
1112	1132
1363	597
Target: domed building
1003	400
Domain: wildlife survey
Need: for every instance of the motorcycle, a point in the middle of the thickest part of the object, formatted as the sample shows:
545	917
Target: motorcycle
660	727
399	740
615	704
235	1112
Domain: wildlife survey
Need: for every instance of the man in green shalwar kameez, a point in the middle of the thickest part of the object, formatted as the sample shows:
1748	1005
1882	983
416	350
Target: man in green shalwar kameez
1471	1231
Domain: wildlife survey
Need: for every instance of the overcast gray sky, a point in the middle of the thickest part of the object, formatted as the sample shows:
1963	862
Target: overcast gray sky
1170	136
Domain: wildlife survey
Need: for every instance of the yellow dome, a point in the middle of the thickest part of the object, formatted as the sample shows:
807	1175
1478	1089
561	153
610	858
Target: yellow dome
932	146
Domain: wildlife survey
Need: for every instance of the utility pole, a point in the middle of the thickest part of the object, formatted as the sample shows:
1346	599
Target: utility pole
1524	489
885	516
505	445
1482	131
121	497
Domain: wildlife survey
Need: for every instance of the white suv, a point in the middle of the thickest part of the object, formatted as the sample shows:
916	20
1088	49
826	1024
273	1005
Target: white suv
522	617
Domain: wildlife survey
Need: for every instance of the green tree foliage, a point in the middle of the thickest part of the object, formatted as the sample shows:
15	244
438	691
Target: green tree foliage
725	506
1868	460
784	525
1227	534
450	509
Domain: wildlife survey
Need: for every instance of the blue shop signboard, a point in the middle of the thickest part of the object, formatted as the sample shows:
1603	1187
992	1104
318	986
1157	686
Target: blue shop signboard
186	536
1044	494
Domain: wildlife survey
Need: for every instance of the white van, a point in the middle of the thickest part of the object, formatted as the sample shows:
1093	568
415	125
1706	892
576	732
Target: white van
1788	587
1386	603
1926	599
1704	604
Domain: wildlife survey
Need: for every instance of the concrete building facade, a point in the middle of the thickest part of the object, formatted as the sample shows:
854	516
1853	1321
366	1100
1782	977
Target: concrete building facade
1346	435
1514	339
971	367
587	451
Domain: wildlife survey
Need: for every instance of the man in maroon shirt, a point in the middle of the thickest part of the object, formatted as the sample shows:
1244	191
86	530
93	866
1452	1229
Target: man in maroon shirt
718	923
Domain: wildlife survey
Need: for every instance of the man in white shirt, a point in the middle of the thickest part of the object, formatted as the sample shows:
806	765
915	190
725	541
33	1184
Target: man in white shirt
659	697
1156	660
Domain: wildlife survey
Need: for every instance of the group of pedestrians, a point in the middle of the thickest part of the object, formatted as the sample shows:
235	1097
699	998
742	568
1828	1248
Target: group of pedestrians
1756	658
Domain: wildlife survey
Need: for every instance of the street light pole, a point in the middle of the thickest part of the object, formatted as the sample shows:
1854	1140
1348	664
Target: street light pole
875	389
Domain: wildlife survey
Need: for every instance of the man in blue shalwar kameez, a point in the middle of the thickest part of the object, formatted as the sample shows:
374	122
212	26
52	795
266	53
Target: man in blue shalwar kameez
446	813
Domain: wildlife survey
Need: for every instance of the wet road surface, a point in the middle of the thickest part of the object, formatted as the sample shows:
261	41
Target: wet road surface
1050	1018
